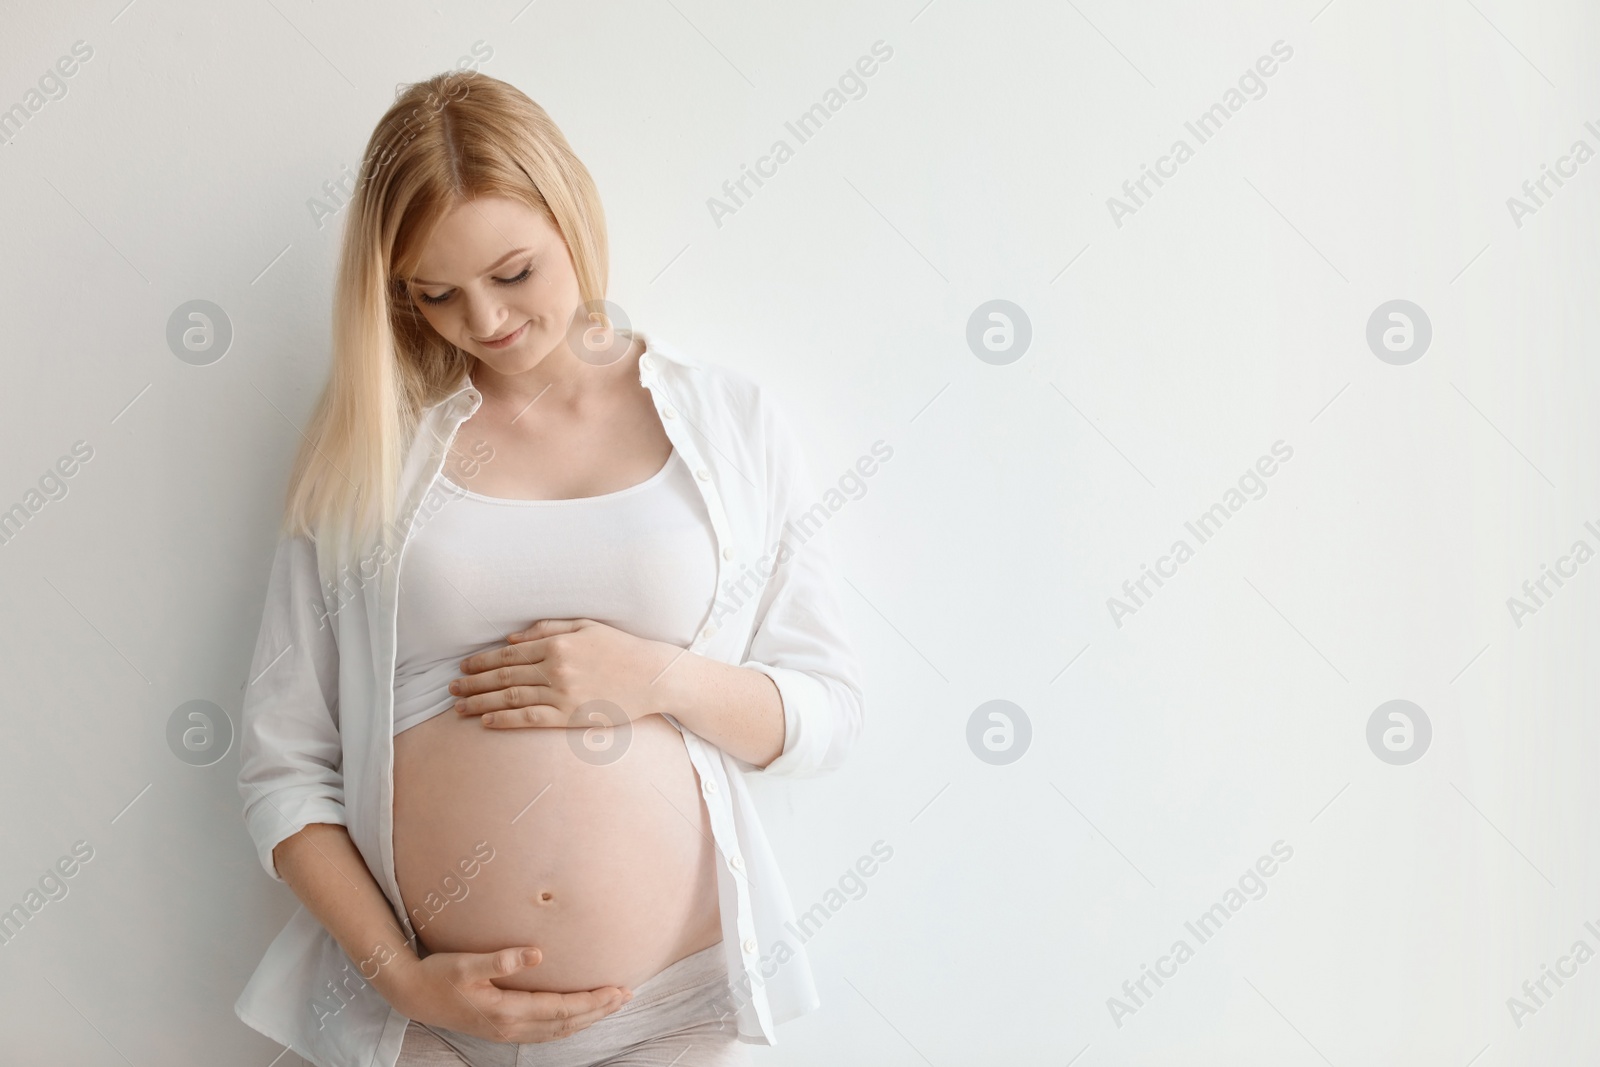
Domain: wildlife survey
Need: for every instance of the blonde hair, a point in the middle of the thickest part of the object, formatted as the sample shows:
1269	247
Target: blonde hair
444	141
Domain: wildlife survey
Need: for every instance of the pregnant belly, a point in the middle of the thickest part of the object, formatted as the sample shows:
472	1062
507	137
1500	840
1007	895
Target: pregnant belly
507	838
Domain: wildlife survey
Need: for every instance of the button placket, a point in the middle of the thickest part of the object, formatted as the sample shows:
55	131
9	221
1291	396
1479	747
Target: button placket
708	494
726	839
723	830
724	835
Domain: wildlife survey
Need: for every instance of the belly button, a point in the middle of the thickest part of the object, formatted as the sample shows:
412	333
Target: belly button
545	897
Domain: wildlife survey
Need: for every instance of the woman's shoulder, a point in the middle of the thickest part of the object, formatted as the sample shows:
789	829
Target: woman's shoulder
770	431
729	388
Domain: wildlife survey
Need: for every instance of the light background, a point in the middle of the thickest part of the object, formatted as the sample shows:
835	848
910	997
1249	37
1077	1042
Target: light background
1168	353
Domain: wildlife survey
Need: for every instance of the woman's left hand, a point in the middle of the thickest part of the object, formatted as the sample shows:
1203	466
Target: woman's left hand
547	672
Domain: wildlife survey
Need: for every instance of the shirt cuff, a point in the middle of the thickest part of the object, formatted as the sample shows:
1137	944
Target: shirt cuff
807	723
273	820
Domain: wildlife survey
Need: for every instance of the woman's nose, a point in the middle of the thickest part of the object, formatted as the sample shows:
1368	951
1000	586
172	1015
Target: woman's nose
485	316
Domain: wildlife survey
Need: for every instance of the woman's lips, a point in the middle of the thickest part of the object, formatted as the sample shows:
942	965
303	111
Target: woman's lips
507	339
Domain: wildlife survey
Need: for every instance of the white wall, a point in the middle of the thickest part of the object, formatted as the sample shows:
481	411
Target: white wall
1227	312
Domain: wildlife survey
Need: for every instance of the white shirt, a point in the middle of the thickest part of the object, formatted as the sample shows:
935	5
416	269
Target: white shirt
642	559
316	741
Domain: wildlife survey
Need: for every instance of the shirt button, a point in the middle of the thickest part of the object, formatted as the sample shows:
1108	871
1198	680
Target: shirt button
669	412
750	945
709	631
737	863
711	787
727	553
703	474
647	361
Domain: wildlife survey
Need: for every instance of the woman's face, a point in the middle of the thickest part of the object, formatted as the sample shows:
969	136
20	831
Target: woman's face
496	269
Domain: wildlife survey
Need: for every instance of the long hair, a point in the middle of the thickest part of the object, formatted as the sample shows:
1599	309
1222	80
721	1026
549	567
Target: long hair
444	141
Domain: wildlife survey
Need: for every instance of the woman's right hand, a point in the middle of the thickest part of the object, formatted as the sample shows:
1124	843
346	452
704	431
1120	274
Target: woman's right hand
455	990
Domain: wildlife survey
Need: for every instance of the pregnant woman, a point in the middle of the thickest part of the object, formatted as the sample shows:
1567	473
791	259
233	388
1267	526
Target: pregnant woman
506	782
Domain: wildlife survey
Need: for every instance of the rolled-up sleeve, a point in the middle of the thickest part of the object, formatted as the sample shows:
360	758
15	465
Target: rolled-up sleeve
289	747
800	640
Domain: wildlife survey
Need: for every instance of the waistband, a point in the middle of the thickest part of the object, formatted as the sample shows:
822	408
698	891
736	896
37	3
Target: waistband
690	991
697	969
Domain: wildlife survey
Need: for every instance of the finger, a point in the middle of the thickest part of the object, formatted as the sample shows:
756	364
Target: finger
488	691
498	678
514	696
549	628
507	961
558	1007
481	669
536	1030
544	1015
522	718
584	1020
505	655
536	629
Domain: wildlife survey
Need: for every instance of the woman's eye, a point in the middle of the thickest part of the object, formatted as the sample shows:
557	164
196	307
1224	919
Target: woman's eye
526	271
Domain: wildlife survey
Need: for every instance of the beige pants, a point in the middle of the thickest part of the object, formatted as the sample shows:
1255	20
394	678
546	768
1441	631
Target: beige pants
675	1019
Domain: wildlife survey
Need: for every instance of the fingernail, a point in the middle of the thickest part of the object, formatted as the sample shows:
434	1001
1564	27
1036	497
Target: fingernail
488	720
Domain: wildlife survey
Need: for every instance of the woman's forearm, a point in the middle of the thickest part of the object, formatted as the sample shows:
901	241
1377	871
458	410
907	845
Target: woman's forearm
738	709
325	870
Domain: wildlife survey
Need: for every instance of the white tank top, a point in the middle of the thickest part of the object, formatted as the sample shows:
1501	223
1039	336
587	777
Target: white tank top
641	559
